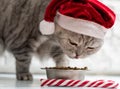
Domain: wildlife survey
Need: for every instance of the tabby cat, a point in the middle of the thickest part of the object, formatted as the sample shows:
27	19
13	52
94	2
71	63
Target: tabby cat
19	34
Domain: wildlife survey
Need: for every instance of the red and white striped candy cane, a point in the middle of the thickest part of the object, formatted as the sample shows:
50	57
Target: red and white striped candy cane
78	83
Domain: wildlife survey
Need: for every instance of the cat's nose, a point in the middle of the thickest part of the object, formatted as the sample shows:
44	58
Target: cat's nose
76	56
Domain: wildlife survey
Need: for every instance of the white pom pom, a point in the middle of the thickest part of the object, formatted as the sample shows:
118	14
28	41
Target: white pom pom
47	28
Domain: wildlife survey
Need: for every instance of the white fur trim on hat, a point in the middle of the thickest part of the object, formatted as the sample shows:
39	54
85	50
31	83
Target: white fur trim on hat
47	28
81	26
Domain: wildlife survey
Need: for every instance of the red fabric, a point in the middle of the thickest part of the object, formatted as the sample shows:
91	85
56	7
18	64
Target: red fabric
52	8
91	10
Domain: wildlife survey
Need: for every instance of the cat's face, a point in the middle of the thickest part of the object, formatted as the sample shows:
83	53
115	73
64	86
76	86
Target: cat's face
77	45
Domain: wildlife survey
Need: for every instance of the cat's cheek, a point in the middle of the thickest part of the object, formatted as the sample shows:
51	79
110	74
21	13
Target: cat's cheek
95	51
70	54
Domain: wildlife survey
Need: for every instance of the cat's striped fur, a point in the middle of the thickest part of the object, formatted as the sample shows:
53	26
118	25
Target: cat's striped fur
19	34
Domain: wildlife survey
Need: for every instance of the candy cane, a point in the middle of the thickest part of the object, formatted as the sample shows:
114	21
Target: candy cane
78	83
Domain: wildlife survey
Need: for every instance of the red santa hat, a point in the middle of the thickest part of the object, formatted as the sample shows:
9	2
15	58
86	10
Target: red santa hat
88	17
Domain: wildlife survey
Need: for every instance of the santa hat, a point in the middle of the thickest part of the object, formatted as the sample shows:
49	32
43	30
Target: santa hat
88	17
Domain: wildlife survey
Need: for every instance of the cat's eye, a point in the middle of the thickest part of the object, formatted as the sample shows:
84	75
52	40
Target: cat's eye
73	43
90	48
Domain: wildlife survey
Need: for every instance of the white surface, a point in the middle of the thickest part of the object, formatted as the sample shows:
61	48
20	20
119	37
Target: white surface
8	81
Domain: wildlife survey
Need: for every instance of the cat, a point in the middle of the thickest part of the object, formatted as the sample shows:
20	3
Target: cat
19	34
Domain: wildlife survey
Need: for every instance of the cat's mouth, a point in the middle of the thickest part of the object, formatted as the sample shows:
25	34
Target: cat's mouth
74	57
78	57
